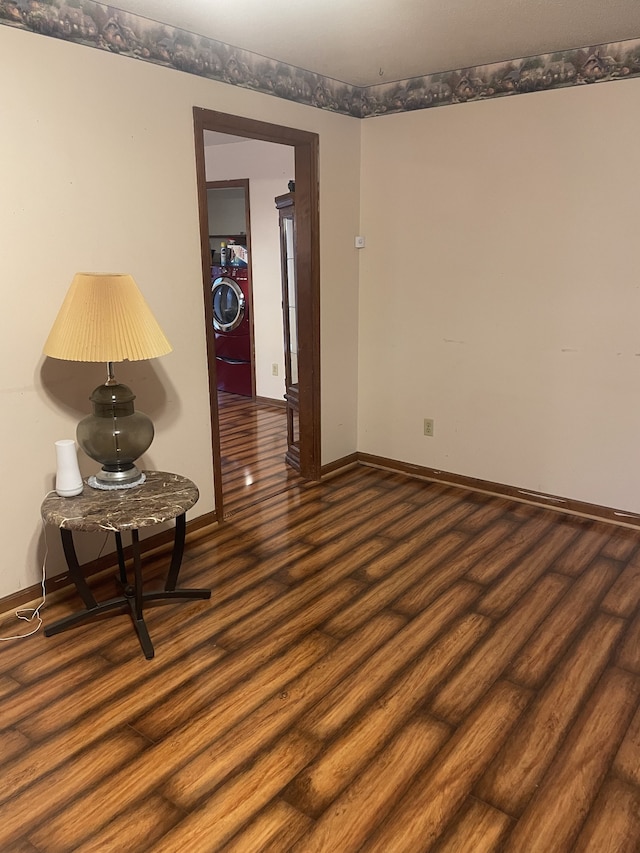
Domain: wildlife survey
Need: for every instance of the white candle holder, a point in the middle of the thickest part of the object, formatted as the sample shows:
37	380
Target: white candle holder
68	477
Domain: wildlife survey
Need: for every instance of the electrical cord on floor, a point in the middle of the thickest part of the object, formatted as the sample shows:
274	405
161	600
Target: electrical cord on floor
22	612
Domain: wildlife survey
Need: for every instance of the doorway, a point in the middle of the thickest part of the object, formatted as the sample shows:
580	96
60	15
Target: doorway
231	285
305	147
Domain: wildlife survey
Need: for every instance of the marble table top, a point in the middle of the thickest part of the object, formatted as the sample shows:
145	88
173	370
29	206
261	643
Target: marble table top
160	498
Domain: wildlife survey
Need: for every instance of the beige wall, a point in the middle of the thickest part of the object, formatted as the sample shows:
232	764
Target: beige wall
500	291
269	169
98	174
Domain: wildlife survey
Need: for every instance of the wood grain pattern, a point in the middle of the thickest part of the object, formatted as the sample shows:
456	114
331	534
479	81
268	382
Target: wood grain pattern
479	828
39	697
439	791
627	761
69	780
391	587
275	828
216	820
508	591
414	524
343	702
485	664
306	597
323	780
516	773
512	550
64	712
7	686
177	627
553	819
141	826
386	663
360	556
624	596
573	561
347	824
183	705
201	775
613	825
91	812
249	476
621	544
490	510
12	742
535	662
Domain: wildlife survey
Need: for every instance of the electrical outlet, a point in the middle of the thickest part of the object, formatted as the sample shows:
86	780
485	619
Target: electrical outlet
274	369
428	427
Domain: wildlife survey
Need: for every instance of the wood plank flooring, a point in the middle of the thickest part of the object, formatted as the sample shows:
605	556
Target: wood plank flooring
385	664
253	443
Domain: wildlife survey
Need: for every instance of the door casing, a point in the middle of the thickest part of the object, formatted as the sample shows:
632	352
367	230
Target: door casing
306	147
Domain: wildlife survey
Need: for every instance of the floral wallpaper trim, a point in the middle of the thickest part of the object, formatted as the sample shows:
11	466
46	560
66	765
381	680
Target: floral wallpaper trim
107	28
576	67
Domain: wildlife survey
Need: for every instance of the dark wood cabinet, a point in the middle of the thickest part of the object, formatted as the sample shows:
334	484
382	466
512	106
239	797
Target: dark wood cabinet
287	215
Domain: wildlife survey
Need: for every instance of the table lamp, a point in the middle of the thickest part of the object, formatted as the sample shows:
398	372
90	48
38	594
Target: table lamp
104	317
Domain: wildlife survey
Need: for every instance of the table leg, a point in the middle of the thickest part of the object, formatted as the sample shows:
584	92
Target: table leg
133	595
137	573
94	608
170	591
121	562
136	604
176	556
75	571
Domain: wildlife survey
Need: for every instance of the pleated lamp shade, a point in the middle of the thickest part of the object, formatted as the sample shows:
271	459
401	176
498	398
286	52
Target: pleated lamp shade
104	317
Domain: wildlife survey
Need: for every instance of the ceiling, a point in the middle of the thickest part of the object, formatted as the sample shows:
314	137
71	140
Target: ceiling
364	42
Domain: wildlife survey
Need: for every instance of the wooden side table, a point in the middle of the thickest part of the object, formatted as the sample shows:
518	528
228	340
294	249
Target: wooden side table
160	498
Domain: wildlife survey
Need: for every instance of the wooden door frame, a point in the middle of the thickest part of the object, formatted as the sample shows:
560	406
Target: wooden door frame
306	147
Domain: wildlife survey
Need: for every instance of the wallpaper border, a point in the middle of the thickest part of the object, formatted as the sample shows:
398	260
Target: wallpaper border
107	28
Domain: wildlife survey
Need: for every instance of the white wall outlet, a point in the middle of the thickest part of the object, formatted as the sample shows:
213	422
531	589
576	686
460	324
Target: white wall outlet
428	427
274	369
359	242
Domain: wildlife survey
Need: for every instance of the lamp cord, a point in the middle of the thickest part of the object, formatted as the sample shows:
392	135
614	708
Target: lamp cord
22	612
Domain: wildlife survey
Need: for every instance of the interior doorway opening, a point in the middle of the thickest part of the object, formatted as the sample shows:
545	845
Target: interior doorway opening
228	204
305	148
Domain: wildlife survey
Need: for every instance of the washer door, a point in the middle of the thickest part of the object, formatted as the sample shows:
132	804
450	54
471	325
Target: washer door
228	304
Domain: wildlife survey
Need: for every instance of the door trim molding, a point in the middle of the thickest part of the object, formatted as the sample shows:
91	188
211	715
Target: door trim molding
306	151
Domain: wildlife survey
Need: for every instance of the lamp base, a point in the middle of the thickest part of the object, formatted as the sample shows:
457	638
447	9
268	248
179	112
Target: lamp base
108	480
115	435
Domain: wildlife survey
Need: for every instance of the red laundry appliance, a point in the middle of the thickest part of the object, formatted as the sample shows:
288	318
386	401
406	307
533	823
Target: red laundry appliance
232	328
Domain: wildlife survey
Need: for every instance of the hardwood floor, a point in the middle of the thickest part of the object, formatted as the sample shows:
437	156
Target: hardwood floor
253	443
385	664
